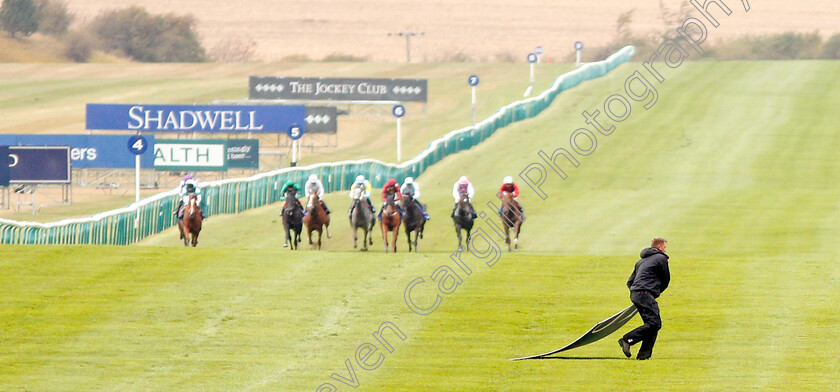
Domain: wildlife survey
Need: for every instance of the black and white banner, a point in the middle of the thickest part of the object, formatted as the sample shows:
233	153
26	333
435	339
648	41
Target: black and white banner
338	89
321	119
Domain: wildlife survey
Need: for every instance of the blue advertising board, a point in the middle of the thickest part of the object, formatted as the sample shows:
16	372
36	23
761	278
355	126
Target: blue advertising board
194	118
89	151
39	164
4	165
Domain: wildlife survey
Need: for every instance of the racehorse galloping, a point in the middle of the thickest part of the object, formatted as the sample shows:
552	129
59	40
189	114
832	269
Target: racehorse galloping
512	218
414	220
463	219
292	219
391	220
190	225
317	219
361	217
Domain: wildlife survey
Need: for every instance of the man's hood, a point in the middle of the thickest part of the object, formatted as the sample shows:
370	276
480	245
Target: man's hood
647	252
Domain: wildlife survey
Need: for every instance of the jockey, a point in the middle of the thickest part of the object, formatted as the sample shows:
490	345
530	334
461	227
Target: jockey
360	180
509	187
390	188
463	186
290	186
313	184
190	188
411	188
182	190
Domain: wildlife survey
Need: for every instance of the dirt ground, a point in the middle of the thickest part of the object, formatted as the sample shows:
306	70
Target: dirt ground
482	30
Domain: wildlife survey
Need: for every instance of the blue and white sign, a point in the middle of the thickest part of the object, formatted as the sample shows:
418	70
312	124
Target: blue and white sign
89	151
578	45
539	50
295	132
137	145
194	118
532	58
398	110
473	80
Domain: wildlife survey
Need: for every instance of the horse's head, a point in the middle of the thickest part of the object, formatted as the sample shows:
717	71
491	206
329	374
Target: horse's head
291	193
192	205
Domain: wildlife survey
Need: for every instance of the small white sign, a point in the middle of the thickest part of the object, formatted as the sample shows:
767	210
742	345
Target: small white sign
190	155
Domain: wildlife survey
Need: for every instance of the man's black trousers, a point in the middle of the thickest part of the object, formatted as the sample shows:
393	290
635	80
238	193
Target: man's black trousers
649	310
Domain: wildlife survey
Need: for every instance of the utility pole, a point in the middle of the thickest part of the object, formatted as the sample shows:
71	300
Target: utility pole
407	35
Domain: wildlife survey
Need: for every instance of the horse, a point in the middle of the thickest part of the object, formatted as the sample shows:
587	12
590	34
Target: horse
361	217
292	219
317	219
463	219
190	224
414	220
512	217
390	221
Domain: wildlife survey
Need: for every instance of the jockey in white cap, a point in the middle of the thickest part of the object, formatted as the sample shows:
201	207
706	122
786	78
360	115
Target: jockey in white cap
314	185
189	186
411	188
361	182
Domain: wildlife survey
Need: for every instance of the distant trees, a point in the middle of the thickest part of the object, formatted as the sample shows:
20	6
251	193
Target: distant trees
18	17
53	17
136	34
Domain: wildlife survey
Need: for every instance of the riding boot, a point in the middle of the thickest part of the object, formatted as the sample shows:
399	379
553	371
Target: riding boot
453	210
372	208
474	215
178	208
422	210
326	209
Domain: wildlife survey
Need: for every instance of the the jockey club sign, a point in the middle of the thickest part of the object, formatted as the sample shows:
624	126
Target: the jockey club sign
337	89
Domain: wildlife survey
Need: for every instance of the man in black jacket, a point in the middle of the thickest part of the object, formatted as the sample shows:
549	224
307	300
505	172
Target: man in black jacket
649	279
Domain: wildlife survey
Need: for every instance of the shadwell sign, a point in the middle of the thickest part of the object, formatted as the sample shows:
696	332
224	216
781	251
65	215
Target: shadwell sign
195	118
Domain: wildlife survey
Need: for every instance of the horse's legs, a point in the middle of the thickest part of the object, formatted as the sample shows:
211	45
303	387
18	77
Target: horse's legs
385	237
516	237
408	238
372	225
396	234
458	232
507	237
468	240
319	238
194	239
186	234
365	238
